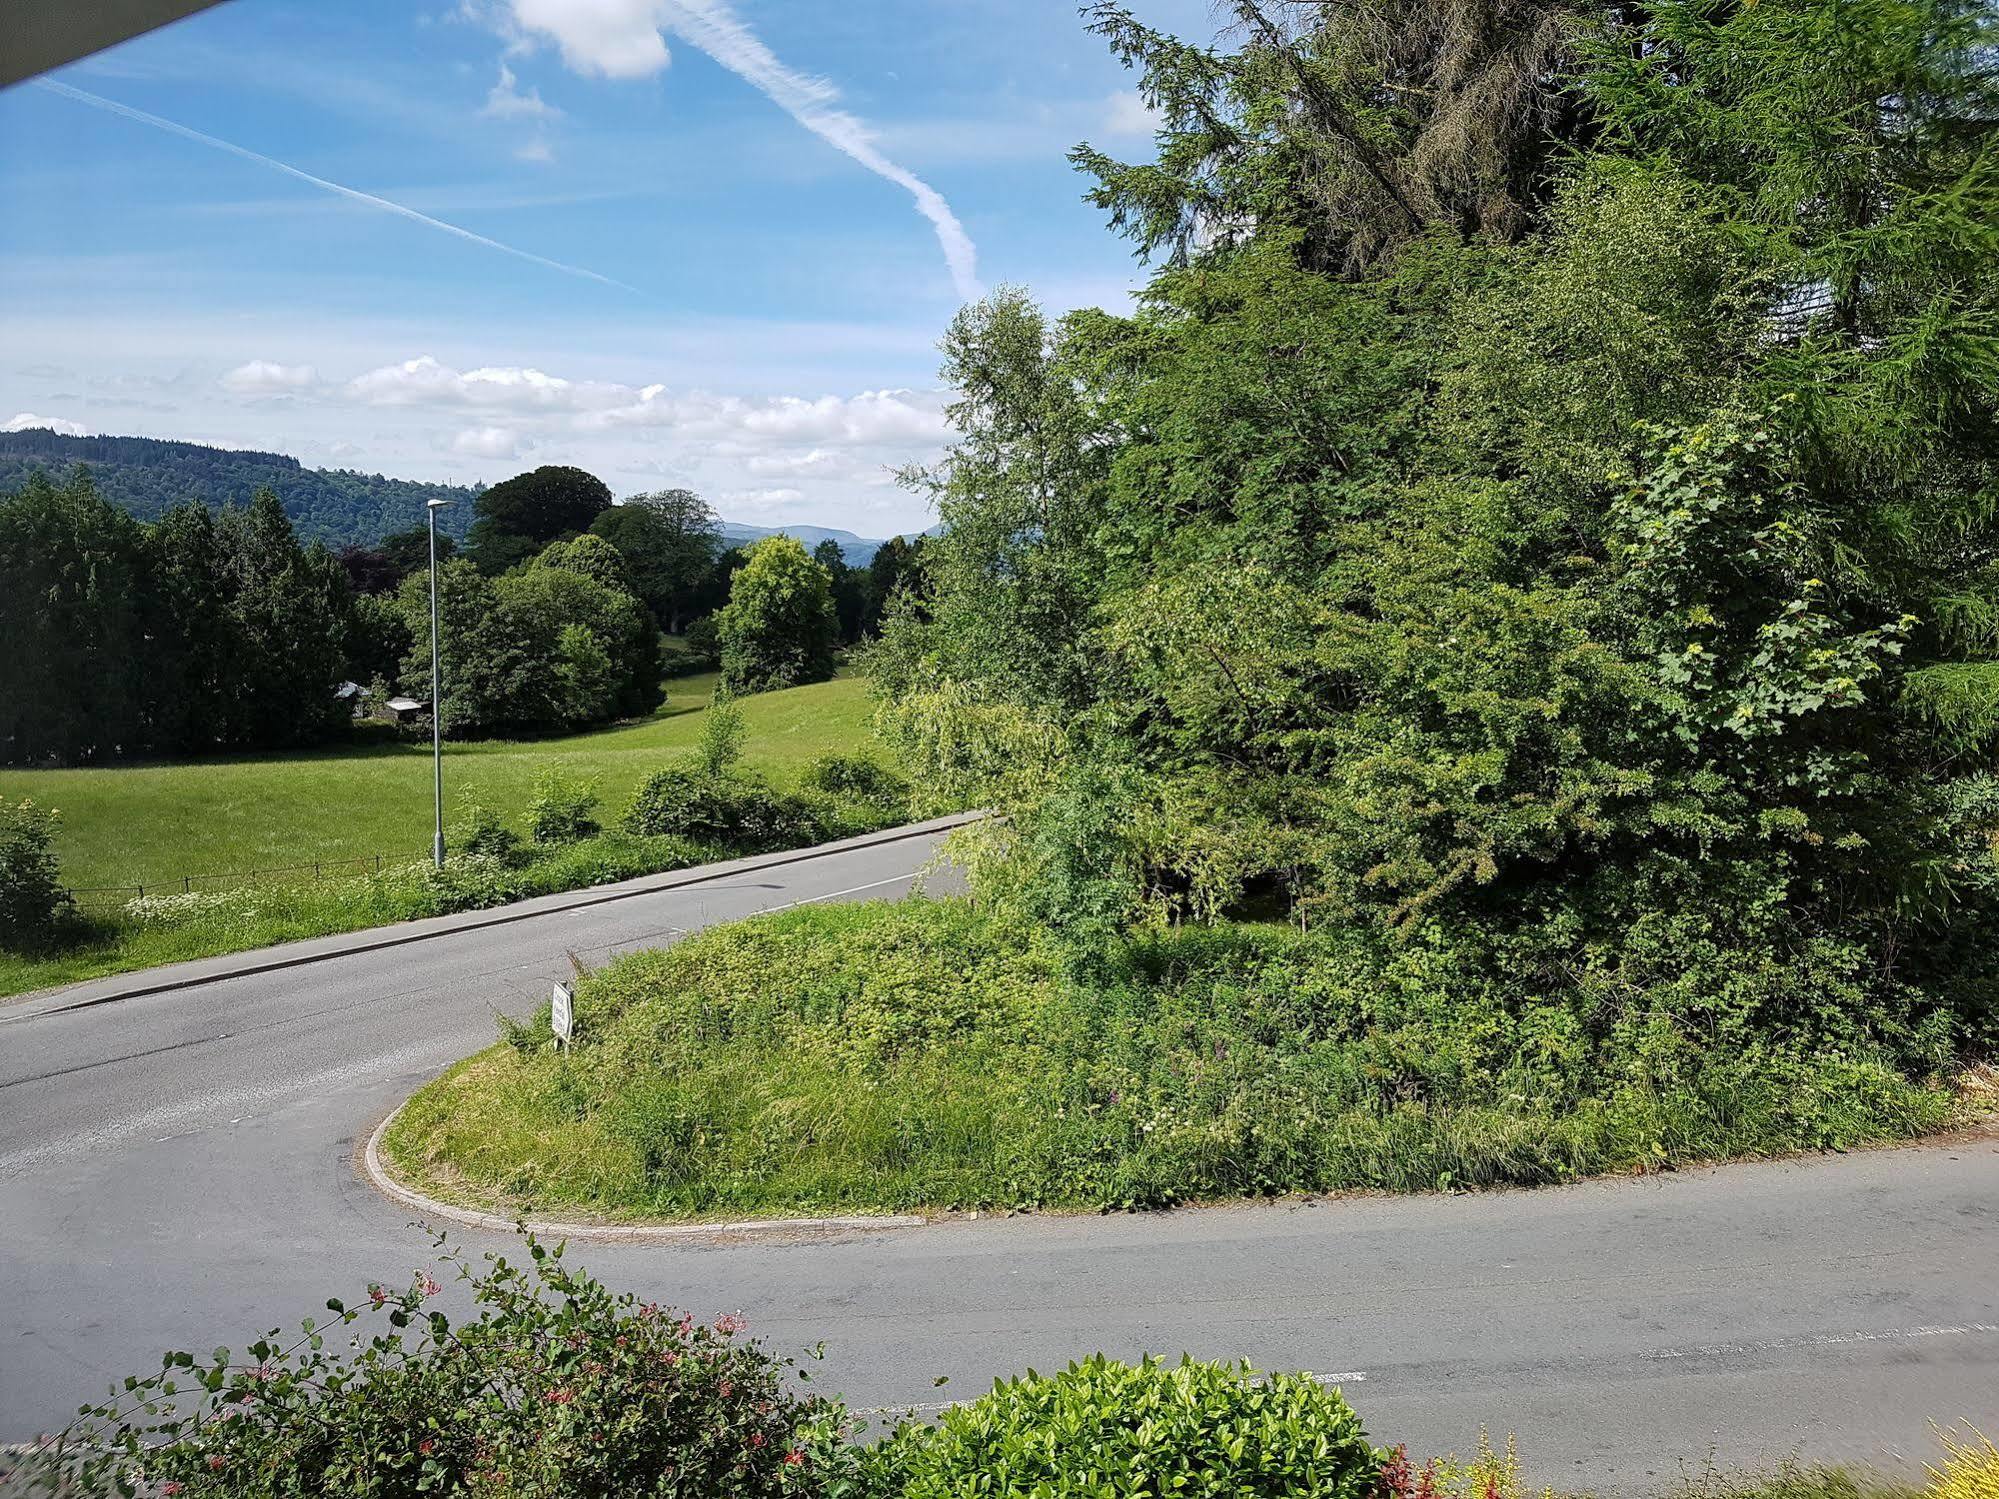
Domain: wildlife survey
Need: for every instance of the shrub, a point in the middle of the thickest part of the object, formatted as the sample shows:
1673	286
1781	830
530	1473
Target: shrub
480	833
858	777
557	1386
722	734
740	812
561	809
34	905
1146	1430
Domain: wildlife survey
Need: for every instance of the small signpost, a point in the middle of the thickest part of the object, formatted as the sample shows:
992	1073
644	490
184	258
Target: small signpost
562	1013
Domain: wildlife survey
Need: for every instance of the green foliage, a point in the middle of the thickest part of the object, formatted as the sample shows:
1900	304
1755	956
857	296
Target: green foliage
194	634
1149	1430
563	809
722	731
541	648
34	906
555	1386
779	627
148	477
480	832
740	812
593	557
519	516
857	776
952	1056
1610	554
670	542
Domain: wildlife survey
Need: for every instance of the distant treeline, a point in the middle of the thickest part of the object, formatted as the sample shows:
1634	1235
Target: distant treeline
209	631
148	476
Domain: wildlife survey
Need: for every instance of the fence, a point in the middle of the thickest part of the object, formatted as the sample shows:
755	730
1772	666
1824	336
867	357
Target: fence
187	884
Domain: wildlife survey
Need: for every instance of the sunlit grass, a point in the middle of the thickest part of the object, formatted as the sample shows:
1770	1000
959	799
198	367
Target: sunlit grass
154	824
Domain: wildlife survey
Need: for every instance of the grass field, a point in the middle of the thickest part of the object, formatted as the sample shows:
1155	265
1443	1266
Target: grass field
155	823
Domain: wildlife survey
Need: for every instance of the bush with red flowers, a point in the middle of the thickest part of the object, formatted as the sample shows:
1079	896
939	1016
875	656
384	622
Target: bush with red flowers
556	1387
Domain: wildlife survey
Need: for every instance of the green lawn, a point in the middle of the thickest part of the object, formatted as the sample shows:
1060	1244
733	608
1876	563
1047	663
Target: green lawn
154	823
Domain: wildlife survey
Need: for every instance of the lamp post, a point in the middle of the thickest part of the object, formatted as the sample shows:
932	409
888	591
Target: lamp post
436	699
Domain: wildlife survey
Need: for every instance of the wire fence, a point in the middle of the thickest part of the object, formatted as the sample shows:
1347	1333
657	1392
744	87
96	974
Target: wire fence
236	879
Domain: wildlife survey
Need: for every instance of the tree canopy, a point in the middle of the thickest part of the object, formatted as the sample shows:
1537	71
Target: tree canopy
670	541
1542	505
519	516
779	627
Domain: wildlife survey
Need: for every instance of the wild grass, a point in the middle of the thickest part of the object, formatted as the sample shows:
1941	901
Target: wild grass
931	1055
150	824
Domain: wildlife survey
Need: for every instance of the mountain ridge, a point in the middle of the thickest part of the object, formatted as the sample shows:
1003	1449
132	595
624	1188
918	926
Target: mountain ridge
342	507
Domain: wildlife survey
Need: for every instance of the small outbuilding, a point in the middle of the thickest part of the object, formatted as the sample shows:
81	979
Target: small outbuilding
403	709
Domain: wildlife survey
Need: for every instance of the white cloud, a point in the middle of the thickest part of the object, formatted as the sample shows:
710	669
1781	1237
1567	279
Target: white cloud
507	102
1127	114
264	377
760	499
621	39
487	442
873	416
537	150
615	38
424	381
818	461
25	420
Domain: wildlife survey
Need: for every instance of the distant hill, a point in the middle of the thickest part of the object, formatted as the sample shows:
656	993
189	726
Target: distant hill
146	475
858	550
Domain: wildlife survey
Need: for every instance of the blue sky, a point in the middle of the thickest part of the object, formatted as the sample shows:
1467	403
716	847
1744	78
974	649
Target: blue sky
790	192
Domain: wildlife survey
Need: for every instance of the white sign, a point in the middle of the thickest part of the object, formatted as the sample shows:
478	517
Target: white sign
561	1014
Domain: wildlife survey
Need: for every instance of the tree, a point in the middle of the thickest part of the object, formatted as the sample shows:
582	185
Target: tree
593	557
1359	130
669	541
539	648
72	578
1610	589
409	551
288	607
896	567
849	589
520	516
779	628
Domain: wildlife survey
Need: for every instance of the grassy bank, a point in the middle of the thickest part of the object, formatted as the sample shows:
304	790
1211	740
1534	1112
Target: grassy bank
154	824
927	1054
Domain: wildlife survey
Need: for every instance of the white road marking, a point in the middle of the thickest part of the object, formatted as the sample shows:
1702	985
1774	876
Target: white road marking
1827	1340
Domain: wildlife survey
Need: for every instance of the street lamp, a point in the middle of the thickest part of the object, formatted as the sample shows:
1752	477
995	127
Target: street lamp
436	698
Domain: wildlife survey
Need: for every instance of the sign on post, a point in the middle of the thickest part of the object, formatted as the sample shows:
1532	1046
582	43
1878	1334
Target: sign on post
562	1013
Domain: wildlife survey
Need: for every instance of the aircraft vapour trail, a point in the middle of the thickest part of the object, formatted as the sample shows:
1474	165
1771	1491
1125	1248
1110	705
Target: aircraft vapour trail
112	106
714	27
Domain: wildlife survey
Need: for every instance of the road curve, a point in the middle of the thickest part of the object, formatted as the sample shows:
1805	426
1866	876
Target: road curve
178	1169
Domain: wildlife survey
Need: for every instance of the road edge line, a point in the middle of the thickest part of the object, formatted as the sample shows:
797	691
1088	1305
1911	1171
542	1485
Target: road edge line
378	1177
506	917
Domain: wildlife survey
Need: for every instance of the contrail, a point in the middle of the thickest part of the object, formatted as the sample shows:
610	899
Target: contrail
714	27
113	107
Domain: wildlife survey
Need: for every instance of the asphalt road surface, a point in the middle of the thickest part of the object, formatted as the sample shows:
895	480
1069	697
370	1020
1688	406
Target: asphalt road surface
178	1170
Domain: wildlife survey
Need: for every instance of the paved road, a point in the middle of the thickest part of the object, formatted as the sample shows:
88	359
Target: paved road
177	1170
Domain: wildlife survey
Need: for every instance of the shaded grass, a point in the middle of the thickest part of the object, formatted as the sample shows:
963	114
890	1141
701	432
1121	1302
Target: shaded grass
931	1055
155	823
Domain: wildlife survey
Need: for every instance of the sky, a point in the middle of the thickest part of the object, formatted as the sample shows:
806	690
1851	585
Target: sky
700	243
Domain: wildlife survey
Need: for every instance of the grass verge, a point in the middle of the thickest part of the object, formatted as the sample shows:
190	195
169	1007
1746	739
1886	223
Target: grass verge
145	823
927	1054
